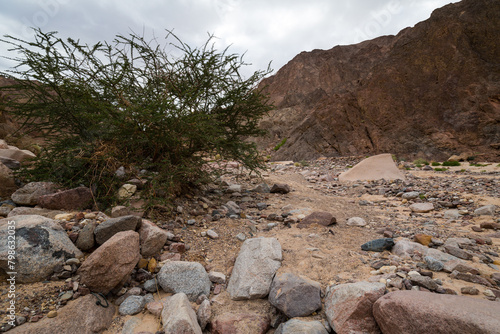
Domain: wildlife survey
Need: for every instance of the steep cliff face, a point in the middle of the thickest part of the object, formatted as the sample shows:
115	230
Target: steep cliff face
433	90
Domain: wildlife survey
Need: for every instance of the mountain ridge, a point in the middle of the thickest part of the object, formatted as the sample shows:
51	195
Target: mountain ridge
431	91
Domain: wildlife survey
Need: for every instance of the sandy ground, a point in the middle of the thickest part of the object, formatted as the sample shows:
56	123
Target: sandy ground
329	255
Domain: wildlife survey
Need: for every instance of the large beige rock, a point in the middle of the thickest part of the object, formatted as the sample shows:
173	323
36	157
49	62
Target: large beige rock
80	316
374	168
16	154
178	316
254	269
109	264
423	312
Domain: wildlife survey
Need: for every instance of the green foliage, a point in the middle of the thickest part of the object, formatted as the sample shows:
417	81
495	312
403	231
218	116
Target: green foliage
281	143
131	103
418	165
422	196
451	163
434	163
440	169
420	162
477	165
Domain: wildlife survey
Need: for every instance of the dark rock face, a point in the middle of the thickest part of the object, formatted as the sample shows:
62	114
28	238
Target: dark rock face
432	90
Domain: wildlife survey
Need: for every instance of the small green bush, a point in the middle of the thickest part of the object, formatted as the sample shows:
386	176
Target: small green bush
421	162
418	165
281	143
434	163
451	163
440	169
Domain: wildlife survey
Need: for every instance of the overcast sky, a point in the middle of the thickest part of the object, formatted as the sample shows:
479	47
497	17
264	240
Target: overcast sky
267	30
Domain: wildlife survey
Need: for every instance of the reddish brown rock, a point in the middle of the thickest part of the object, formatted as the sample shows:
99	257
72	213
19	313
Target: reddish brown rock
320	218
280	188
80	316
109	264
72	199
490	226
240	323
422	312
31	193
355	99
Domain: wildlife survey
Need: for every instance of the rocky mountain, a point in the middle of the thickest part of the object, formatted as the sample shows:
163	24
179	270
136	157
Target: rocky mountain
431	91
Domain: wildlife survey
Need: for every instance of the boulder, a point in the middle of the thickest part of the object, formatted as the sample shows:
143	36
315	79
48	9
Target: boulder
41	245
72	199
254	269
240	323
378	167
178	316
320	218
204	313
110	227
132	305
411	195
296	326
31	192
405	247
348	307
487	210
280	188
422	207
109	264
126	191
7	182
152	239
422	312
294	295
16	154
80	316
356	221
85	239
189	278
378	245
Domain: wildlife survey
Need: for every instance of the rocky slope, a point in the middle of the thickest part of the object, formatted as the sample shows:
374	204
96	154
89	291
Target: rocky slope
433	90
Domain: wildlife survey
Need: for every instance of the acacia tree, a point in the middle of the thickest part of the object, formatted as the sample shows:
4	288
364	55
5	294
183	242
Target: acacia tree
132	103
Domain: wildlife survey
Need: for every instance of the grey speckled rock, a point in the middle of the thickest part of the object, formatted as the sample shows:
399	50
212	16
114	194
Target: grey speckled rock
189	278
42	244
487	210
294	295
31	192
348	307
110	227
178	316
255	266
132	305
296	326
433	264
